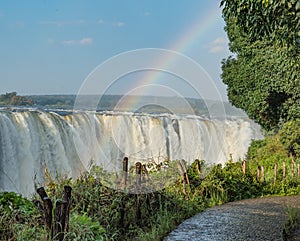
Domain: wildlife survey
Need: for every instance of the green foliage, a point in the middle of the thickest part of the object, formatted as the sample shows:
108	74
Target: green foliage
267	152
61	101
276	20
293	220
229	184
290	137
82	227
16	215
263	77
10	201
14	99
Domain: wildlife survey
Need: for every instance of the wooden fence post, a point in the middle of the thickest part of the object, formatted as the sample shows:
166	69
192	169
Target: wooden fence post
293	168
275	173
284	170
198	168
56	230
123	187
125	173
48	206
147	177
138	168
185	172
145	172
258	174
244	167
298	170
66	208
57	227
180	168
263	173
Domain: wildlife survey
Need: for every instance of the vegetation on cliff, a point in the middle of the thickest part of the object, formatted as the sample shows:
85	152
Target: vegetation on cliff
13	99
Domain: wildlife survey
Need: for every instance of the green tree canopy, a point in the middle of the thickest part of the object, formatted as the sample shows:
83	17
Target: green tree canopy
277	20
263	75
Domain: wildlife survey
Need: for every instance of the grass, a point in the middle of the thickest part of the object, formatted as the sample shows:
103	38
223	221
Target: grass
293	221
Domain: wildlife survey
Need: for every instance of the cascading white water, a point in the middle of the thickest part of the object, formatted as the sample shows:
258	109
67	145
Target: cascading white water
31	140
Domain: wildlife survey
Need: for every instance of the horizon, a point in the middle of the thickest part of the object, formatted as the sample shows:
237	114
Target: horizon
121	95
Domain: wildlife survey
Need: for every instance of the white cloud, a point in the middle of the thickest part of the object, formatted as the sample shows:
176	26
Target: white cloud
219	40
100	21
68	42
147	14
218	45
83	41
217	49
120	24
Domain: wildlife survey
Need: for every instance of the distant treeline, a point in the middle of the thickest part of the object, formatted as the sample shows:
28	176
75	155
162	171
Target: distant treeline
13	99
148	104
118	102
107	102
66	101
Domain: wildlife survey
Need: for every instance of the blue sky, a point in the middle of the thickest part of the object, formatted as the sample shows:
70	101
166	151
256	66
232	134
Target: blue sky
50	46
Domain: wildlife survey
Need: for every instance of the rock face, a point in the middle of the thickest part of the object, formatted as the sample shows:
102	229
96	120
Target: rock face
259	219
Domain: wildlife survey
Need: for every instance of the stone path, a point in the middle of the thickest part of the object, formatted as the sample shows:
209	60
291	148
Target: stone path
260	219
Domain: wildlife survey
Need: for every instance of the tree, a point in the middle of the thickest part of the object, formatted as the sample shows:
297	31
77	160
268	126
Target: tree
277	20
263	77
14	99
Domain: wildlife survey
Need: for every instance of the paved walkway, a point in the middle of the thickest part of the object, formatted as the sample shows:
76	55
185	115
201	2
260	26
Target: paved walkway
260	219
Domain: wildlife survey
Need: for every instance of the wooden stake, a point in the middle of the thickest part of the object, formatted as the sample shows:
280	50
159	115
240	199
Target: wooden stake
123	187
125	173
298	170
66	208
244	167
48	206
145	172
57	231
198	168
138	168
263	173
182	174
185	172
275	173
258	174
284	170
293	168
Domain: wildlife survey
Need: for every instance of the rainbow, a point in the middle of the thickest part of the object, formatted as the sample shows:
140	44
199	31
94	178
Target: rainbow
185	42
192	35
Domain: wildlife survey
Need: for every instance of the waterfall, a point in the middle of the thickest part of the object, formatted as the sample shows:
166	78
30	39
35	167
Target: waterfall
35	142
